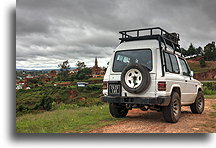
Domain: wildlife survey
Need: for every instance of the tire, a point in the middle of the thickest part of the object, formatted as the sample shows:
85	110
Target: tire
198	106
117	110
135	78
172	112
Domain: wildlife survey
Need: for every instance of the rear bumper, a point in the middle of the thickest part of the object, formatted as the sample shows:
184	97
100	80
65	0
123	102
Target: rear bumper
161	101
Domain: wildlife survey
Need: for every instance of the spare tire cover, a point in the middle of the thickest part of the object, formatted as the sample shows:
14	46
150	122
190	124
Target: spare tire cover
135	78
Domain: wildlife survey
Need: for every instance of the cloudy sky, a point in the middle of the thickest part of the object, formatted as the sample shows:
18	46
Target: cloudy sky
49	32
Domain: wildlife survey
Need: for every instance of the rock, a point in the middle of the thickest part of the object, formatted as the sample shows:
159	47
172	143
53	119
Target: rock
82	98
195	128
72	94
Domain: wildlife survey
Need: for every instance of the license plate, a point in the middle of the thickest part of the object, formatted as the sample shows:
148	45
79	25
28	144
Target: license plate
114	89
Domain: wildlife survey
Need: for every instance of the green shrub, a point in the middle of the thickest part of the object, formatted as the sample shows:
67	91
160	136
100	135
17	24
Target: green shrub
208	91
63	106
93	87
49	97
210	85
46	103
202	63
21	109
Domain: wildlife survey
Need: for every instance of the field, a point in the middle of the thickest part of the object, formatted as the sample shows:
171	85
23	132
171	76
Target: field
66	121
50	109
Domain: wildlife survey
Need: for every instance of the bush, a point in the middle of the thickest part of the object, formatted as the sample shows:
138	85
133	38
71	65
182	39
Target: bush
83	74
93	87
46	103
21	109
208	91
48	98
202	63
210	85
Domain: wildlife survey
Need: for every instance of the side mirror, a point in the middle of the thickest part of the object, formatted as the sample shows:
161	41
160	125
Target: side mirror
191	73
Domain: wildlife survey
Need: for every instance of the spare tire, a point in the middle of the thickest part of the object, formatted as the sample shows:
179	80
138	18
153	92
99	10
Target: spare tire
135	78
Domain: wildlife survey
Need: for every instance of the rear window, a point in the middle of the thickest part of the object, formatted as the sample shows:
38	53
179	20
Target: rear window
174	63
171	63
168	62
140	56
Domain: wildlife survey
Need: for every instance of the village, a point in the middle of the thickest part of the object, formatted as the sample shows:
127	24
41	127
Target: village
27	80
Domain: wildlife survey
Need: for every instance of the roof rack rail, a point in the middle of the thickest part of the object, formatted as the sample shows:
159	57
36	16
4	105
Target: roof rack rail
170	39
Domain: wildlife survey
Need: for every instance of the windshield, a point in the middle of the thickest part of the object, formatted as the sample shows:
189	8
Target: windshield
140	56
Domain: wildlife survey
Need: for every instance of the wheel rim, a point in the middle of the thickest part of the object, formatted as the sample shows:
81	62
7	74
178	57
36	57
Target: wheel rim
176	107
200	103
133	78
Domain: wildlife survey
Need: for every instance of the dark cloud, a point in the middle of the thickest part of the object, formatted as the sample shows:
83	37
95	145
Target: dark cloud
50	31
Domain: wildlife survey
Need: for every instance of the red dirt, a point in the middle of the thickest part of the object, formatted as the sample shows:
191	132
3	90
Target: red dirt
152	122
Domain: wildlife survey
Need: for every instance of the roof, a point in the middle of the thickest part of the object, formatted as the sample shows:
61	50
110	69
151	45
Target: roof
139	44
155	33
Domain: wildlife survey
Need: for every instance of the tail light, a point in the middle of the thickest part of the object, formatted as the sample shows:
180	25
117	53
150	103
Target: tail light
161	86
104	84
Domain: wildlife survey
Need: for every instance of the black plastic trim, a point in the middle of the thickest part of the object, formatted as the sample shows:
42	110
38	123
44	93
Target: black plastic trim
161	101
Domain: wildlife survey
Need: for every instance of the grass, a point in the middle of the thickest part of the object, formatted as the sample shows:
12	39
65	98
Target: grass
96	78
209	125
214	113
195	66
210	96
66	121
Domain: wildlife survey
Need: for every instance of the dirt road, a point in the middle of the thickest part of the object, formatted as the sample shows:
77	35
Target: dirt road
152	122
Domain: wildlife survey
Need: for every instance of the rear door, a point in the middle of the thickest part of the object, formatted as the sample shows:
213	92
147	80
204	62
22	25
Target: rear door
173	77
188	87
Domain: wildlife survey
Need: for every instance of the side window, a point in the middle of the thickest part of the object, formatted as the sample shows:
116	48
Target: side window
168	62
174	63
185	69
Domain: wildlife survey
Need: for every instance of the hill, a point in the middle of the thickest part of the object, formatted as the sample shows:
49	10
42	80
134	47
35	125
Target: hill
195	66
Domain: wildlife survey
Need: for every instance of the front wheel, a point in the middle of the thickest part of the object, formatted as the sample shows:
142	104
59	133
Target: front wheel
118	110
172	112
198	106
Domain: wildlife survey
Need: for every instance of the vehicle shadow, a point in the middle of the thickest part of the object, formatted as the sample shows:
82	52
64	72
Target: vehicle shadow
151	116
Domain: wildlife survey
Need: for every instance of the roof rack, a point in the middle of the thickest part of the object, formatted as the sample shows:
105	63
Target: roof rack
167	38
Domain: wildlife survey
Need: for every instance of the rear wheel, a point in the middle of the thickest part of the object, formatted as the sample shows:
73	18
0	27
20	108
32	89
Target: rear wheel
198	106
172	112
117	110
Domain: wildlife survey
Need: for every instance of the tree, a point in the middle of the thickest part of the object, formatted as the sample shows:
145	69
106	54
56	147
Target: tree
80	65
64	69
83	74
210	52
191	50
199	51
184	52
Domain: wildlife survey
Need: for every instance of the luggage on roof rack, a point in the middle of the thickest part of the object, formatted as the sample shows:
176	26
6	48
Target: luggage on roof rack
167	38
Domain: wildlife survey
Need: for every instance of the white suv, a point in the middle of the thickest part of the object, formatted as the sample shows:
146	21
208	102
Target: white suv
148	71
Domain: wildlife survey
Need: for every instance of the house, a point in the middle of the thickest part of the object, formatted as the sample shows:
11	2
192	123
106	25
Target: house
19	85
53	73
74	71
97	71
